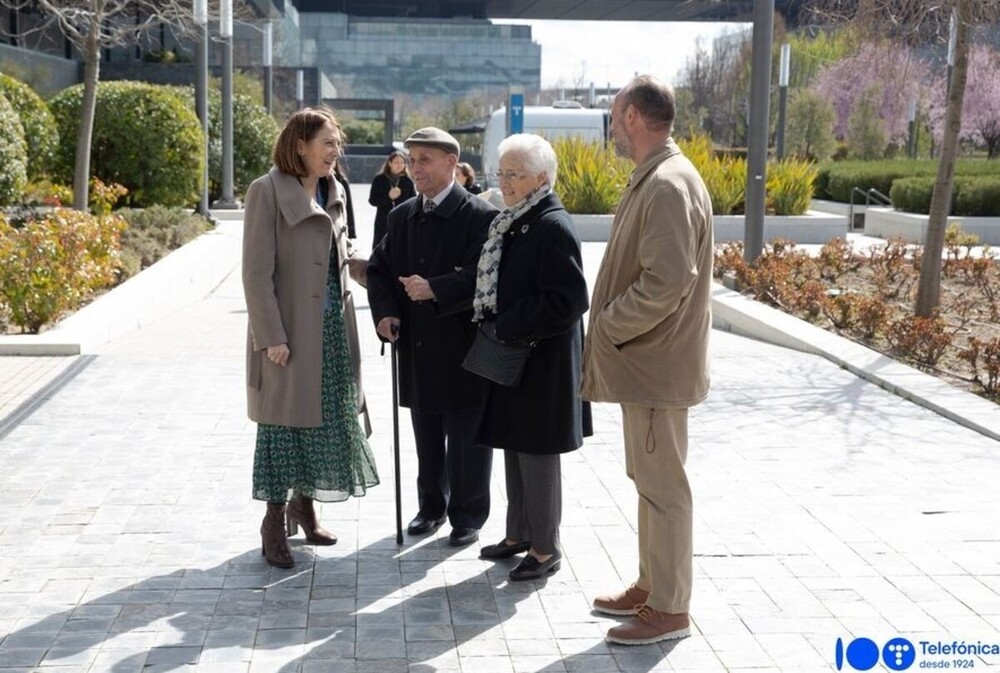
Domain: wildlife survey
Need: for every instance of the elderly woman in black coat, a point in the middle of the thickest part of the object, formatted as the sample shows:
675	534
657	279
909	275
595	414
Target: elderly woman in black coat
530	283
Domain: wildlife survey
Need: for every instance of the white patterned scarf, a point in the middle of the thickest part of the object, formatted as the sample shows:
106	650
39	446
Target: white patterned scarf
488	270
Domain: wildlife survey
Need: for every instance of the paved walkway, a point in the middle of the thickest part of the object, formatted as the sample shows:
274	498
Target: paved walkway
826	508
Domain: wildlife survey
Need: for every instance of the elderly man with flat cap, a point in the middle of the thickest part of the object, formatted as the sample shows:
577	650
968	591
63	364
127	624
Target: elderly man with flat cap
421	279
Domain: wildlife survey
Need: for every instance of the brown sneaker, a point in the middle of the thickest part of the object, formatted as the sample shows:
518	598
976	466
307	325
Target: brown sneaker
624	603
650	626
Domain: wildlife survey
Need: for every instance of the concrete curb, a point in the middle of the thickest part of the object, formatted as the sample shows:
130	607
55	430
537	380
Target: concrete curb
185	275
741	315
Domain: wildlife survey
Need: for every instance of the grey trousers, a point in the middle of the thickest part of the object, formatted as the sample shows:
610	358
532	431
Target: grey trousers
534	499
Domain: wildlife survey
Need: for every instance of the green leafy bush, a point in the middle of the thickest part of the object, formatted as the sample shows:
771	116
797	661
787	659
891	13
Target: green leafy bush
363	131
39	125
153	232
51	264
254	133
836	179
790	186
13	154
591	177
145	138
973	196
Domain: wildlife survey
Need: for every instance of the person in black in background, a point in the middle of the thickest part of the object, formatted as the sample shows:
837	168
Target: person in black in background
465	175
390	187
421	278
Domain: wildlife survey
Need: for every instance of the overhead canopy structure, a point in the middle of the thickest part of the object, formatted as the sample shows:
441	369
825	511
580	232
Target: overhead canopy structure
576	10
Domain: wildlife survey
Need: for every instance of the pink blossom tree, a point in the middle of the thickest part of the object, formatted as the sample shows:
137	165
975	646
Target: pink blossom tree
981	112
893	74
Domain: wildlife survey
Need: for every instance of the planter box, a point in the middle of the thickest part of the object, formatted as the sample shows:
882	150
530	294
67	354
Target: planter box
813	227
889	223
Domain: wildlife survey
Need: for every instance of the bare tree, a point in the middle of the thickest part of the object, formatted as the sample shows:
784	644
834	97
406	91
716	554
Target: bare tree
922	22
92	25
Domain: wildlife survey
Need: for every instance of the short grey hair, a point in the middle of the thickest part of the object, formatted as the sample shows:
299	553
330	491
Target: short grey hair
539	157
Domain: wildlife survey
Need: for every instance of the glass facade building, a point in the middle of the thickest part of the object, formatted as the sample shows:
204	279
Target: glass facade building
384	57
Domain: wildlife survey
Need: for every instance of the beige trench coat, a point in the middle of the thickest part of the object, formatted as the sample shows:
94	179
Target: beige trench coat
286	253
650	313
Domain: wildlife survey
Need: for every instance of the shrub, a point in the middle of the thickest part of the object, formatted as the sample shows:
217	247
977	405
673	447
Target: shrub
790	186
46	193
39	125
836	179
836	258
984	357
145	138
591	177
921	339
13	154
972	196
152	233
254	133
49	265
726	180
363	131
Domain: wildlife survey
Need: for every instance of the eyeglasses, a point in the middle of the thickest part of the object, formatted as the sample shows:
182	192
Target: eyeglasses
509	175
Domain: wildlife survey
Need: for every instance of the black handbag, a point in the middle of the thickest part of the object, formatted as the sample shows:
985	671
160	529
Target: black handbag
499	361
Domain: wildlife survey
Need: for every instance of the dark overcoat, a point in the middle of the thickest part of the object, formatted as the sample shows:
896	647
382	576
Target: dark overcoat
541	296
379	197
443	247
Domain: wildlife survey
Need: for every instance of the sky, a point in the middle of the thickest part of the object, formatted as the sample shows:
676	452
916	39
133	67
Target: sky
614	51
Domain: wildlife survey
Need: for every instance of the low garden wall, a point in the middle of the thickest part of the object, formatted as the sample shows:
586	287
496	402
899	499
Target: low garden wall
813	227
889	223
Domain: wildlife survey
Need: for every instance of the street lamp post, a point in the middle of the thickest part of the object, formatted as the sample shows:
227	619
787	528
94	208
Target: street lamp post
201	93
267	61
228	200
912	129
300	89
786	50
760	100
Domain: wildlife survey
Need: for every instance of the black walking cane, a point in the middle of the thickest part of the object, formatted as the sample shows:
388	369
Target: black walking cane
395	436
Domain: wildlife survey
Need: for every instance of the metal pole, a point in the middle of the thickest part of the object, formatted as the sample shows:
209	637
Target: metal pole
300	89
201	93
911	144
760	81
268	74
786	50
227	201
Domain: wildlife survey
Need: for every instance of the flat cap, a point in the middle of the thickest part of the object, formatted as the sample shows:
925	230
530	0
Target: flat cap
434	137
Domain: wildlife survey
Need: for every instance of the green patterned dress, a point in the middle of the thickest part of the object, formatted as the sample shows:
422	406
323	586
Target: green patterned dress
329	463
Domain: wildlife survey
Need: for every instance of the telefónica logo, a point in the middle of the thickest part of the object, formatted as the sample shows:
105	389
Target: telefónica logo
862	654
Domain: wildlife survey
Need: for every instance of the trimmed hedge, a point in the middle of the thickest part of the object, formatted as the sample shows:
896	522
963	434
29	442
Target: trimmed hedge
39	125
153	232
976	196
145	138
13	154
835	180
254	133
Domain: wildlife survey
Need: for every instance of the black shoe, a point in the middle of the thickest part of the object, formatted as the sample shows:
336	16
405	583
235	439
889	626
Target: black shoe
531	568
422	525
503	550
462	536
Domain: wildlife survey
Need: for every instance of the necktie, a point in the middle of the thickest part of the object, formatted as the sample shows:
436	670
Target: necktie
429	205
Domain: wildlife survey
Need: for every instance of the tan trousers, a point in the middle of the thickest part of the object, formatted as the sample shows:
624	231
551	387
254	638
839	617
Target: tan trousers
655	451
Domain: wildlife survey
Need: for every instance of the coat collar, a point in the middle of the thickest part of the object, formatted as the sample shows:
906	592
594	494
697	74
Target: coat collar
293	202
456	197
657	156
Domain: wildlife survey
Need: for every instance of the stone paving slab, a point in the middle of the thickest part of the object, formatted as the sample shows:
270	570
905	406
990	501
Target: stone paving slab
825	508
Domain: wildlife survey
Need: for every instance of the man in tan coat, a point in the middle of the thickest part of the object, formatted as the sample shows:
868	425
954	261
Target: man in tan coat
647	349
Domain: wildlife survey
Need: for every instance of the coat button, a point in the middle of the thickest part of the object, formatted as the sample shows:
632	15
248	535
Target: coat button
419	344
422	260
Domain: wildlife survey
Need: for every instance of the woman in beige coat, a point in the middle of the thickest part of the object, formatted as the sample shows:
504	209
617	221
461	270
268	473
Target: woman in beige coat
303	383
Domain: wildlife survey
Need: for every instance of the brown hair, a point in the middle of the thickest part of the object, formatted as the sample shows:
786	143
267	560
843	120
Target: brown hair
386	171
467	172
302	125
653	100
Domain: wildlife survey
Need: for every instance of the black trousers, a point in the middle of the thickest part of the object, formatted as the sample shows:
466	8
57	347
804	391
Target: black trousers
453	474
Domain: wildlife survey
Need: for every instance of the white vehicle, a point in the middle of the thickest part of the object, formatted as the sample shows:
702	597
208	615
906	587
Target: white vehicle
553	122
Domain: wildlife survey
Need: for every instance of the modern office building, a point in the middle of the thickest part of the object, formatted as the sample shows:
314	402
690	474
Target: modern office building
387	56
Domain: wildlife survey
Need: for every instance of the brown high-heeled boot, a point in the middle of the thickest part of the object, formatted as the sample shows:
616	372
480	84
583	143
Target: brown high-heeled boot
301	511
273	541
